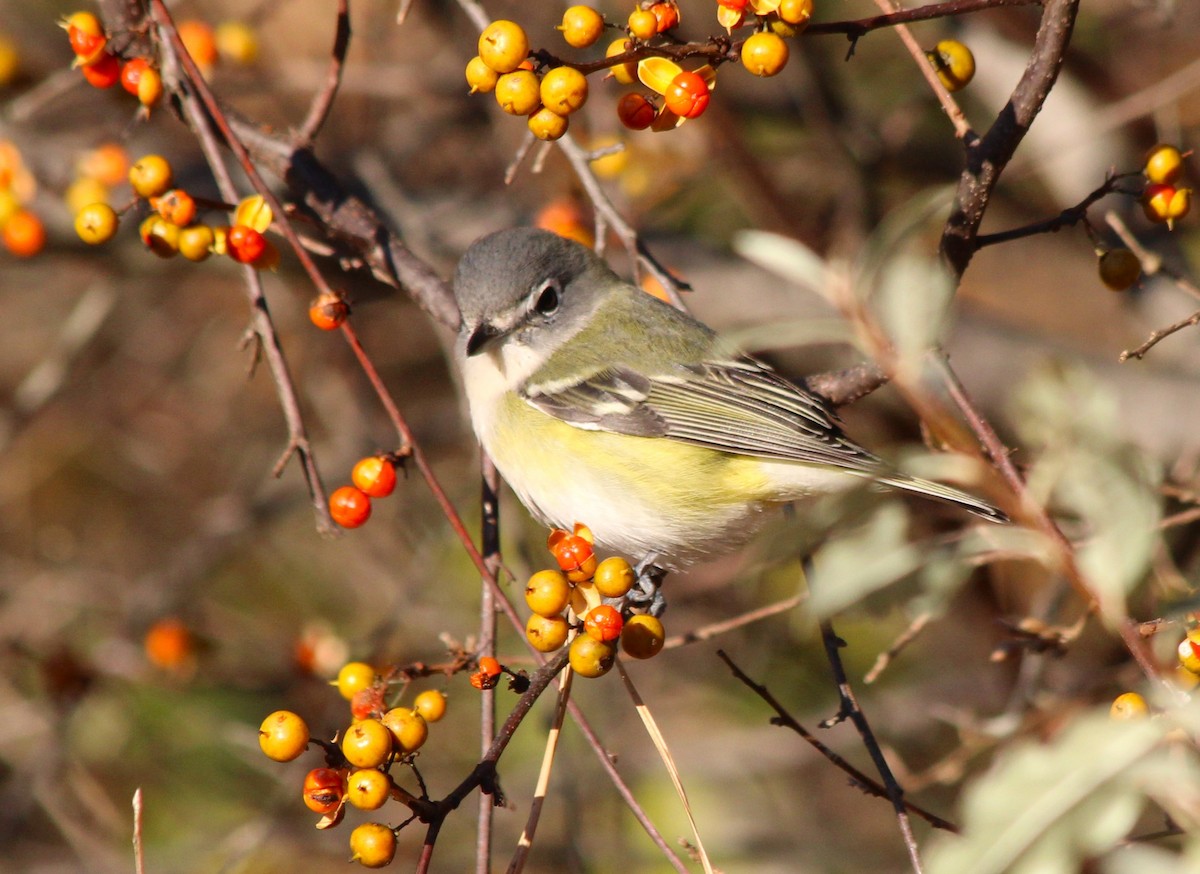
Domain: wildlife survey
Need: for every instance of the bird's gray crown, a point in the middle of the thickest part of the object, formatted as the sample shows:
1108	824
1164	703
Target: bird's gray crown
499	270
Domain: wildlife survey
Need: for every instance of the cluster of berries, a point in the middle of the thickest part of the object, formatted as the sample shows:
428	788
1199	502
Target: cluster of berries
547	96
1163	201
357	770
373	477
171	228
104	69
567	604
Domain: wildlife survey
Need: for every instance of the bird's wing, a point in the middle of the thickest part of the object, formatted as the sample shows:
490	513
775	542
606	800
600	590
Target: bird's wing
738	406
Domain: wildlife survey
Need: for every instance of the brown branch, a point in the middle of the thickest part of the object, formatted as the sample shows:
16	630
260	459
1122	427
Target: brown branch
323	100
849	709
1069	217
856	29
989	155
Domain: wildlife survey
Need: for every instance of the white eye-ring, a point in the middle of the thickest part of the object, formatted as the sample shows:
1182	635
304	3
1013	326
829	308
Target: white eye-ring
546	297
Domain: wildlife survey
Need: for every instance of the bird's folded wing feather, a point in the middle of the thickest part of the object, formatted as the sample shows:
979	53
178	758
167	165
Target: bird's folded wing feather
737	406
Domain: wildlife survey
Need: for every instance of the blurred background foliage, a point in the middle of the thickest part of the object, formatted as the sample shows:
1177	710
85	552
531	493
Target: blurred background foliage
137	443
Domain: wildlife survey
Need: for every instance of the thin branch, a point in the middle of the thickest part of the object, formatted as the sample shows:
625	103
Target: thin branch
708	632
784	718
862	26
489	541
884	659
139	858
1069	217
850	709
323	100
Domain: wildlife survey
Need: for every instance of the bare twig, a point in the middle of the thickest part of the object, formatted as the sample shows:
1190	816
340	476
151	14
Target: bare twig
708	632
849	709
784	718
323	100
139	858
885	658
1069	217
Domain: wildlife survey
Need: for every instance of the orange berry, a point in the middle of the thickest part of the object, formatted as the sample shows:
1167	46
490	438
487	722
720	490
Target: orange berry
590	657
666	15
643	636
490	666
24	234
547	633
603	623
688	95
376	476
328	311
175	206
1129	705
518	93
575	556
170	644
480	76
349	506
566	218
1163	164
548	593
104	72
107	163
795	12
408	728
86	36
323	790
131	74
614	577
200	41
159	236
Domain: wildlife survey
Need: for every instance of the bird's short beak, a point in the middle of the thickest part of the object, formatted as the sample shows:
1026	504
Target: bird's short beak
481	336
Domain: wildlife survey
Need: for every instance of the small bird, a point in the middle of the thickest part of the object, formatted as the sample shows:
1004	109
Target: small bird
601	404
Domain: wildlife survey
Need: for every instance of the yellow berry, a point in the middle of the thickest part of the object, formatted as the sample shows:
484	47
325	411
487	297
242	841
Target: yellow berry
547	633
368	788
1129	705
367	744
85	191
1163	164
642	24
503	45
954	64
517	93
373	845
96	223
353	677
431	705
564	90
237	42
547	125
547	593
590	657
625	74
196	242
614	577
581	26
643	636
764	54
283	736
150	176
408	729
1188	656
480	76
795	12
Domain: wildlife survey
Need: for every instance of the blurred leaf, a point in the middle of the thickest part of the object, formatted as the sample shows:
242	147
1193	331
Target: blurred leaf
785	257
1045	808
1086	470
789	334
912	300
909	223
862	560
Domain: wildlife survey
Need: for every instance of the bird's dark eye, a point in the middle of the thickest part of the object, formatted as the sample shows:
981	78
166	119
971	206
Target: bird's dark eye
547	298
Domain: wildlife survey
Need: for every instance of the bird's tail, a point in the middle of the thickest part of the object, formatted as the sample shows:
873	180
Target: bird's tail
947	494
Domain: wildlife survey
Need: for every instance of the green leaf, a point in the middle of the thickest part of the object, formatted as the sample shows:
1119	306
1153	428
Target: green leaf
1044	808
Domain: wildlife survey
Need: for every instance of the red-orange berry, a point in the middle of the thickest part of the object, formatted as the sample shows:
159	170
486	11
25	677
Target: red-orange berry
666	15
328	311
376	476
688	95
636	112
349	506
24	234
86	36
104	72
200	41
323	790
131	74
245	244
175	206
603	623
